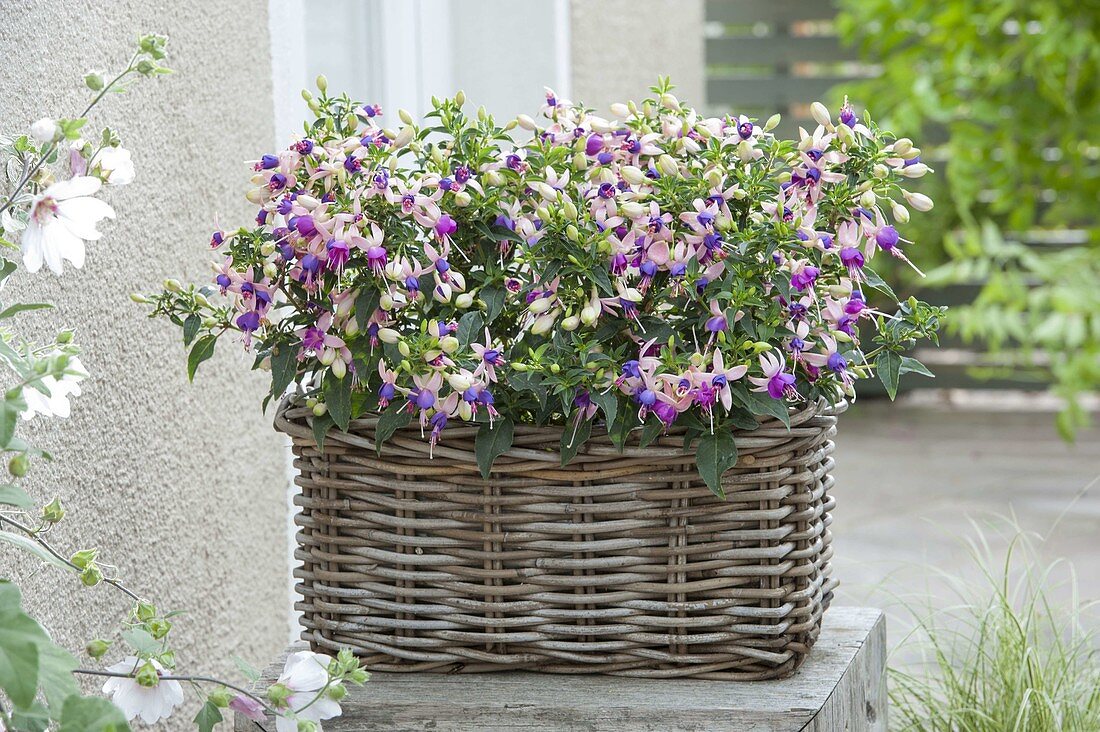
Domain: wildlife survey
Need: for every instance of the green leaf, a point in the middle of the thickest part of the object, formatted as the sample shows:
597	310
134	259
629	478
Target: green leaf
321	426
527	381
493	297
888	366
250	672
912	365
22	308
620	431
191	328
603	281
608	402
571	440
10	409
13	495
337	394
91	714
469	328
55	664
19	671
31	547
492	441
873	280
202	350
650	431
141	641
208	717
391	420
7	266
366	302
284	367
760	403
715	454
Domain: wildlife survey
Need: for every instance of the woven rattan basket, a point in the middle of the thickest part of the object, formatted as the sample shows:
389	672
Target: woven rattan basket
618	563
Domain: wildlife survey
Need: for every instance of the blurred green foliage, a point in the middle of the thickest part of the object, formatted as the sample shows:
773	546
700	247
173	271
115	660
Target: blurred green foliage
1005	96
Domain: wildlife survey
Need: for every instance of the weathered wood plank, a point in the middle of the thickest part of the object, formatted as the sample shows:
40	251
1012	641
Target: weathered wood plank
841	687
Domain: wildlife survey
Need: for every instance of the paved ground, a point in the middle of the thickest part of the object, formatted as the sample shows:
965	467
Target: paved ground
910	480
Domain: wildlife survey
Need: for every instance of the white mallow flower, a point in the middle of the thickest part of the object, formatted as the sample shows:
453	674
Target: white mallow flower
44	130
116	165
304	675
62	218
151	703
57	403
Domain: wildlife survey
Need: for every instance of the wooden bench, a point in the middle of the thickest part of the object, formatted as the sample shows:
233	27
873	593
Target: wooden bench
841	687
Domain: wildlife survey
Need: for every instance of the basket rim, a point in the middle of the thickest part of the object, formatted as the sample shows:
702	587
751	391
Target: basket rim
293	418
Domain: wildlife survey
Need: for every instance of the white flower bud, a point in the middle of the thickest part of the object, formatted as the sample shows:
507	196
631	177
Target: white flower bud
620	110
449	344
403	348
494	178
820	113
394	271
868	199
459	382
919	201
256	195
570	210
465	411
540	305
668	101
327	356
270	270
633	175
571	323
404	137
903	146
306	201
526	122
462	199
880	171
385	302
916	170
901	213
405	116
588	315
320	409
45	130
544	323
464	301
600	125
388	335
667	165
772	122
339	368
633	209
351	328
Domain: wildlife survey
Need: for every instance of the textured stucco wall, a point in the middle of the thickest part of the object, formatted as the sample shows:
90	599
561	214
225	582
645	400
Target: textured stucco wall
619	47
182	486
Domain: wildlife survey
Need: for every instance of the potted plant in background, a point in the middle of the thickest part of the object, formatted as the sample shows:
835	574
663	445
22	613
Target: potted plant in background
563	391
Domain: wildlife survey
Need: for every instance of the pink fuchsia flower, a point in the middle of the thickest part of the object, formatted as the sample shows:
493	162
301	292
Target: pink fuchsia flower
150	703
62	218
776	382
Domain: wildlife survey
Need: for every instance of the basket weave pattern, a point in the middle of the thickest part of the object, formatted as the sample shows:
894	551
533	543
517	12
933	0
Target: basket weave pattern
618	563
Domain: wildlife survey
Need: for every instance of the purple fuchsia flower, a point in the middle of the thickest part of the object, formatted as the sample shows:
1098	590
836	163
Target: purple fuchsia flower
377	260
852	259
424	395
776	382
338	253
722	377
445	226
217	239
388	389
832	360
489	358
804	277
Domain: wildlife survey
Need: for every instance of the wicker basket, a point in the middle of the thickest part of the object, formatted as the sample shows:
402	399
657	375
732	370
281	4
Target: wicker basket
617	564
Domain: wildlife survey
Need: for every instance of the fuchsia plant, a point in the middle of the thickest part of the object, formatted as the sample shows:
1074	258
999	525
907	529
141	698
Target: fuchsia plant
651	270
